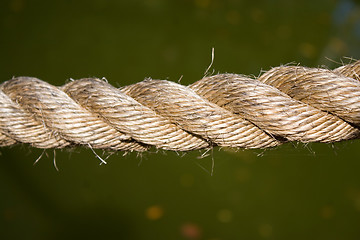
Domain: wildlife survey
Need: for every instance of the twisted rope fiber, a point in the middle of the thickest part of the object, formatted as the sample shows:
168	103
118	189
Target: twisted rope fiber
286	103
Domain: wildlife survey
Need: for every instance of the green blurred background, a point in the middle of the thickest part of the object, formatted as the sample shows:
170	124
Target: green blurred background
294	191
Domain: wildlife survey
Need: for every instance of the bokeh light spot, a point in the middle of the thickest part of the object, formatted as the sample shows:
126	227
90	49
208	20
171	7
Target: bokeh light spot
202	3
224	215
233	17
17	5
308	50
327	212
186	180
154	212
265	230
242	174
191	231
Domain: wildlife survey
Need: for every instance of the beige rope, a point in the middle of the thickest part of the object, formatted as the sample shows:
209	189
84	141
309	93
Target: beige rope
287	103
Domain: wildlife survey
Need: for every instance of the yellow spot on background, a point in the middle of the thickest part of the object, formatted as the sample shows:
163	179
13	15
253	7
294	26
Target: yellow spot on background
257	15
224	215
154	212
186	180
17	5
265	230
233	17
327	212
191	231
202	3
242	174
307	50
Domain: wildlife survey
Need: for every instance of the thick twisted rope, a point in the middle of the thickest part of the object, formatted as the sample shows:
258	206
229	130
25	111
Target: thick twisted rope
287	103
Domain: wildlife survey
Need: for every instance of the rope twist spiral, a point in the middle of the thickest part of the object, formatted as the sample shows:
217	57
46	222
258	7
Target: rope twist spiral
286	103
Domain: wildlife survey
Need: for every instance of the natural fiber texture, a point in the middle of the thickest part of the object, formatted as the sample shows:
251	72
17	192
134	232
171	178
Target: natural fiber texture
287	103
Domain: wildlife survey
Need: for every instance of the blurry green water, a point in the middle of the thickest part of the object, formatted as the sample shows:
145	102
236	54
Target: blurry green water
291	192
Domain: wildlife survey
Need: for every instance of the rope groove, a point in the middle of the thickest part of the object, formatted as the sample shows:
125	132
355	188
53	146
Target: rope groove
286	103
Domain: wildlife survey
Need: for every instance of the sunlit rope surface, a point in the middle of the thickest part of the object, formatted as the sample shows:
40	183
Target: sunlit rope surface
286	103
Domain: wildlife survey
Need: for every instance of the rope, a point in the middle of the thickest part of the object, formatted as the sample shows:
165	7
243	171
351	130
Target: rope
286	103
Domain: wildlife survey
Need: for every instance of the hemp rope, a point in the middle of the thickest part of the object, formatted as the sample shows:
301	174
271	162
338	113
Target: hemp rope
286	103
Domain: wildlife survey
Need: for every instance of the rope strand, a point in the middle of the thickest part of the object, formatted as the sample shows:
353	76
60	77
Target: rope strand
286	103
